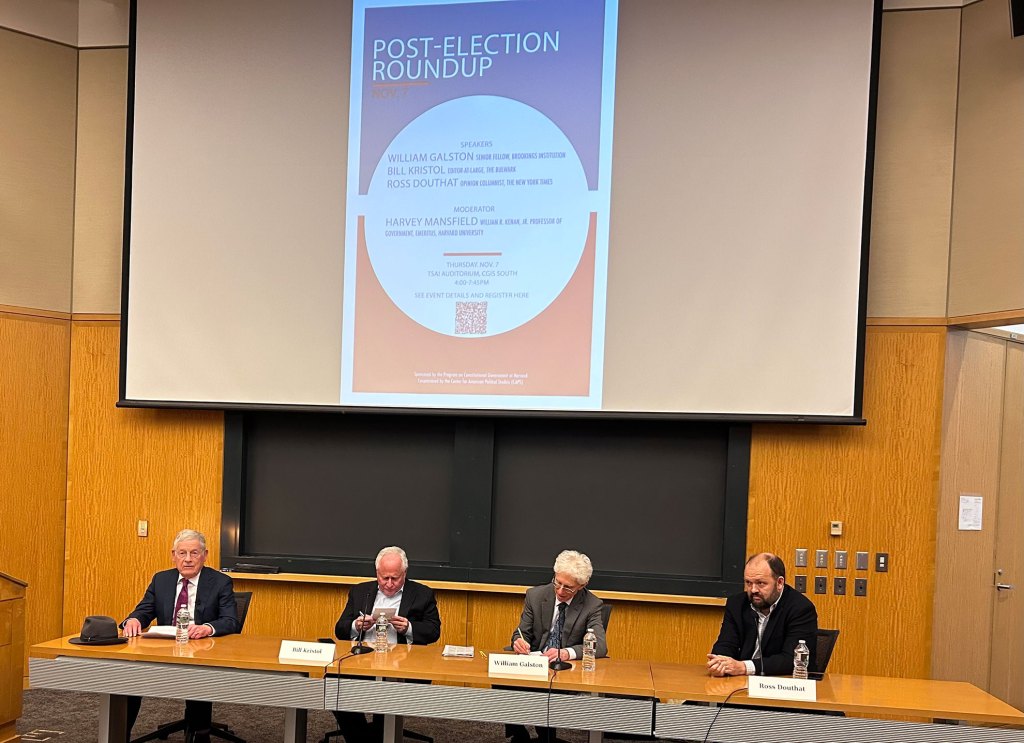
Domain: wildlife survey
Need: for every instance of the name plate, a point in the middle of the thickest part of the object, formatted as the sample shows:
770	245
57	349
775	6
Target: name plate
306	652
510	664
777	687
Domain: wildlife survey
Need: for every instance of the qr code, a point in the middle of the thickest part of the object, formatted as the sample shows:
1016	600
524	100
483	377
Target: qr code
470	318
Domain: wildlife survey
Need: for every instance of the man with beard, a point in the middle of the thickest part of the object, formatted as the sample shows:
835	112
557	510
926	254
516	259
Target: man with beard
763	625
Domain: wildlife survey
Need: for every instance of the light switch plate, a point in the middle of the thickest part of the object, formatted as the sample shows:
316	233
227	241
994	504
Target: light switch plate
862	561
142	528
835	528
801	559
821	558
839	586
841	559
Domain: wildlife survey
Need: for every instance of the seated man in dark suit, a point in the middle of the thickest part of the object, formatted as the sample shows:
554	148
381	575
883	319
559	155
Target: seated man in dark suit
763	625
555	618
416	622
209	597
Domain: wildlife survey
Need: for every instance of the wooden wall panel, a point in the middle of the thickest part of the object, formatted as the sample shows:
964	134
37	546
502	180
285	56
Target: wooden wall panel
913	183
1006	677
972	420
37	188
99	180
34	354
124	465
987	248
881	480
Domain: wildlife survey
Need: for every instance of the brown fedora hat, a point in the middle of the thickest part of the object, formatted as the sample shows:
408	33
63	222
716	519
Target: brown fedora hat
98	631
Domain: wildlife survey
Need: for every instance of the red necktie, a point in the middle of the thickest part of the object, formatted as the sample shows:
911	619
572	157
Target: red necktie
182	599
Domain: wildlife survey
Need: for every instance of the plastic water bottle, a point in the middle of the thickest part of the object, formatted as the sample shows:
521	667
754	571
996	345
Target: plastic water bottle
589	651
801	659
381	638
181	624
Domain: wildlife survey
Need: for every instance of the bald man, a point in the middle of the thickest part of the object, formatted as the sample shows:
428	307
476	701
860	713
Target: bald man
763	625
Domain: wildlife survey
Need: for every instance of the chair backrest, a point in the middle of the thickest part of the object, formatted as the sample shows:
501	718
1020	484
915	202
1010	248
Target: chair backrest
242	599
826	644
606	612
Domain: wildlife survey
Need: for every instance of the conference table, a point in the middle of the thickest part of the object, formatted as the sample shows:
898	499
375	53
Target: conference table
621	696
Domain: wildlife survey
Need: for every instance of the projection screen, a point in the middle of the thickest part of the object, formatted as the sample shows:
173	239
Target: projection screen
642	207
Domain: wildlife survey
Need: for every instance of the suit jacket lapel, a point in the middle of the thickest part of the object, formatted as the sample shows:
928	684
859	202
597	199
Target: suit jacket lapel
547	612
572	615
202	594
774	619
407	597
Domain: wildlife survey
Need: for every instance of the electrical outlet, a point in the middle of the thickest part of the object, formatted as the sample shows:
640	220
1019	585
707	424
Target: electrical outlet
142	528
841	559
821	558
820	584
862	561
800	583
801	559
839	586
881	562
860	587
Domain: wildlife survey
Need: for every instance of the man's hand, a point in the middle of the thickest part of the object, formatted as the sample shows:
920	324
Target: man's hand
521	646
556	654
132	627
364	622
401	624
199	631
723	665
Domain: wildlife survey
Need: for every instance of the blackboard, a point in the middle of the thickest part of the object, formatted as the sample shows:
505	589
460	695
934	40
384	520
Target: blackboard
659	506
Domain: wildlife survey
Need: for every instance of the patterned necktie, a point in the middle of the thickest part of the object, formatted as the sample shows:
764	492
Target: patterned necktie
555	638
182	600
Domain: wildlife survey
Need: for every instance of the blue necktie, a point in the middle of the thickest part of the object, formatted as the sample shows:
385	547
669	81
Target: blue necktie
555	638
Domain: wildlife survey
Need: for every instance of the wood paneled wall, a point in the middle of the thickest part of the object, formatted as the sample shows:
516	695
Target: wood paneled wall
34	354
125	465
881	481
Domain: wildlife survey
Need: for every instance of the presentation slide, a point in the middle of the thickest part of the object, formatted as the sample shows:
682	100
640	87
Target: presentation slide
593	207
478	190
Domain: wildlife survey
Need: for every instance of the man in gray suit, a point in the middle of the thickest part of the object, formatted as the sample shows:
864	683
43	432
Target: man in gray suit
565	604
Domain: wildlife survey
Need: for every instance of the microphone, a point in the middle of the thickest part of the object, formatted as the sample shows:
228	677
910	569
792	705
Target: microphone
558	664
359	648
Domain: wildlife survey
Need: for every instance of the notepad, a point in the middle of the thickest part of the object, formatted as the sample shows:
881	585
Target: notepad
161	631
458	651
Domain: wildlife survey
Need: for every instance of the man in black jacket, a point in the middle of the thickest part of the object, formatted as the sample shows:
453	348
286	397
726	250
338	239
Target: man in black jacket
416	622
763	625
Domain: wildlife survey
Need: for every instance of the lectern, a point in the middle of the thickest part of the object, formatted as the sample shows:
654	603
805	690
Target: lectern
12	653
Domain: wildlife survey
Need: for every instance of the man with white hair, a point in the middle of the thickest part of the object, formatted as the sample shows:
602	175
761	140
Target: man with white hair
209	597
416	622
555	618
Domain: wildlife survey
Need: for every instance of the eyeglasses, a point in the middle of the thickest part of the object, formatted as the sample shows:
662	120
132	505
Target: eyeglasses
568	589
182	554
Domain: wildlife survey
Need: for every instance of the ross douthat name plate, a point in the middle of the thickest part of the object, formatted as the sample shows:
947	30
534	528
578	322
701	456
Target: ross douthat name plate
779	687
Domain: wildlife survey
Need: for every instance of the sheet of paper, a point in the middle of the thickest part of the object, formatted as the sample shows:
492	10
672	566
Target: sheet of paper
970	512
458	651
158	630
388	612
